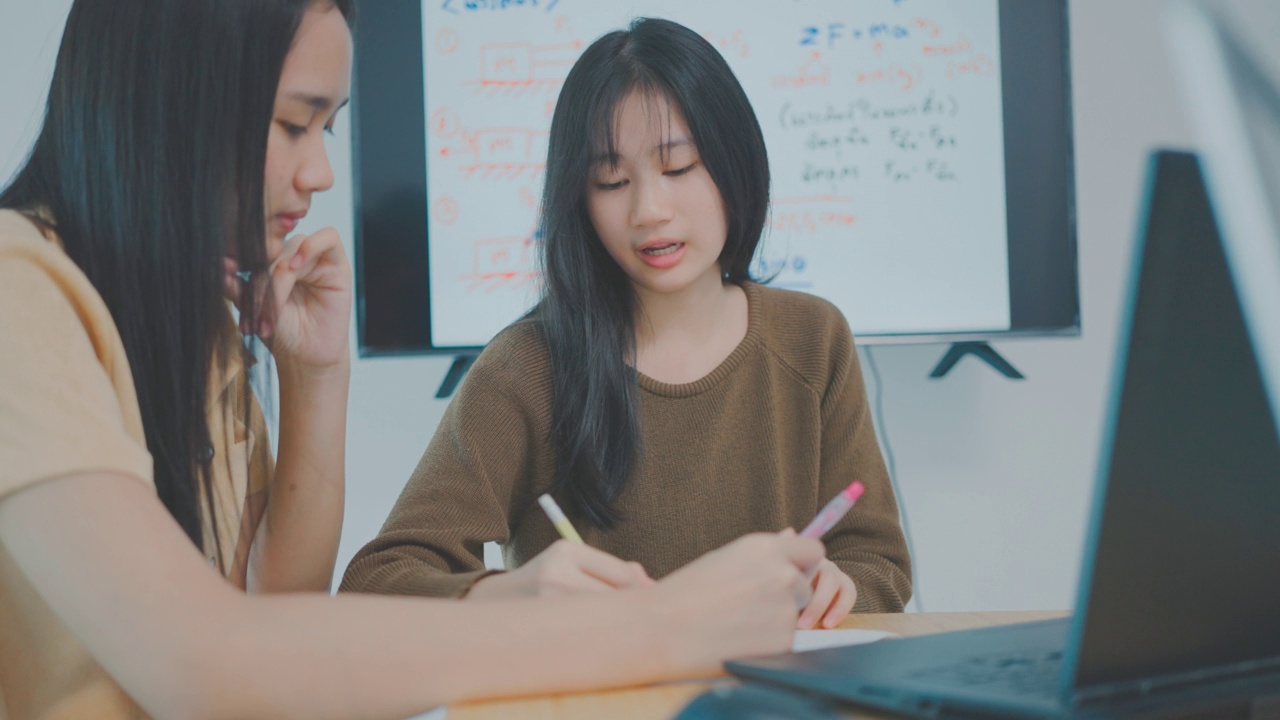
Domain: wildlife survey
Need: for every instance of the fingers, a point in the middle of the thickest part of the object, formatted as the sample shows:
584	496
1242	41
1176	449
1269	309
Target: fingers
235	283
616	573
304	255
567	567
315	263
568	581
843	605
306	260
606	568
791	559
807	556
834	594
805	553
825	588
284	275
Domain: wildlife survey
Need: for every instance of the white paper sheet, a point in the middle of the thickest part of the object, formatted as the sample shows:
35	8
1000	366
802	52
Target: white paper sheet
815	639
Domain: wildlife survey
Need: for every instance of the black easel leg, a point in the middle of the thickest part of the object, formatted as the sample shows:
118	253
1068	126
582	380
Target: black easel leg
461	363
983	351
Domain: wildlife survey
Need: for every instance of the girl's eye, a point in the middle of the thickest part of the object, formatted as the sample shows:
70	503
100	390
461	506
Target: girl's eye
682	171
293	130
610	186
329	128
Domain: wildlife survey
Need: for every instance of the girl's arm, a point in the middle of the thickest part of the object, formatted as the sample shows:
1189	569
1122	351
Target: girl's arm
867	545
459	496
487	462
121	575
296	543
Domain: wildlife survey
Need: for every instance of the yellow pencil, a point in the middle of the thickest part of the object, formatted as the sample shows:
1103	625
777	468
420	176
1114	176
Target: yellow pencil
558	518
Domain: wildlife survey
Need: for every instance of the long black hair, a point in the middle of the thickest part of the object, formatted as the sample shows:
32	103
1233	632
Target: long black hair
586	313
149	167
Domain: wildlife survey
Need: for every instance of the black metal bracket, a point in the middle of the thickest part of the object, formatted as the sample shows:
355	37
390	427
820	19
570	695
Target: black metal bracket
983	351
461	364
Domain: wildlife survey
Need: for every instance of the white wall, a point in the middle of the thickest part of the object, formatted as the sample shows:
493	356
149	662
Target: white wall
29	33
995	475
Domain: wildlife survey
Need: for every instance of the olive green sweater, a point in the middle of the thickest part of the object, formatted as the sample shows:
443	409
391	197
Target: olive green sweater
761	443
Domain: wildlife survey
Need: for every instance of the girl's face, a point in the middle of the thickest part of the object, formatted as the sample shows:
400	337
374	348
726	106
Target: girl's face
654	205
314	84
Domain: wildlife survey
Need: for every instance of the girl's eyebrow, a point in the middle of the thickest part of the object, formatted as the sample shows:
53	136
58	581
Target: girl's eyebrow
673	143
318	102
663	149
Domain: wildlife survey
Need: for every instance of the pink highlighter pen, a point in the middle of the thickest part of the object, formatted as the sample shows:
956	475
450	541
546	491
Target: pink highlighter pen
829	515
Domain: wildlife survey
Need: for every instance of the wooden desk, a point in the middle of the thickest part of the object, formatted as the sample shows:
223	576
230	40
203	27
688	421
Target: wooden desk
660	702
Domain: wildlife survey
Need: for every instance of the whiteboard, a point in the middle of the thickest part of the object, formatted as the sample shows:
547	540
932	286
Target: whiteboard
883	121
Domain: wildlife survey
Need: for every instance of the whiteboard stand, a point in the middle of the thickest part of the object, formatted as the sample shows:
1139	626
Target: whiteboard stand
983	351
461	364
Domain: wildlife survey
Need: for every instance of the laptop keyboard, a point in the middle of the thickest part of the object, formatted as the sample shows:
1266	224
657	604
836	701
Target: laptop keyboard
1024	673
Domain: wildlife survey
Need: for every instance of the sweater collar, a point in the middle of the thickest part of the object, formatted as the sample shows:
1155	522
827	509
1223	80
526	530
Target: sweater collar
722	371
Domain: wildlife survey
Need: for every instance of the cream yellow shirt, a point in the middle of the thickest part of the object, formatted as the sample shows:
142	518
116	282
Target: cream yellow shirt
68	406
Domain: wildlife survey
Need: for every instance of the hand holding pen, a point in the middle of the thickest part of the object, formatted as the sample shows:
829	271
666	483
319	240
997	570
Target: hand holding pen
739	586
834	592
568	566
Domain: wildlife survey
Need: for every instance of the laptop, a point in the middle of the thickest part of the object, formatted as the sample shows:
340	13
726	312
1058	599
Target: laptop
1179	599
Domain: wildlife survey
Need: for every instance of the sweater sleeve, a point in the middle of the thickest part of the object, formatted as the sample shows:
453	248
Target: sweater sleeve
867	544
469	488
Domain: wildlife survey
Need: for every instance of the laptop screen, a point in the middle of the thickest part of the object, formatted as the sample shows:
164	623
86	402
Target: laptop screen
1181	575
